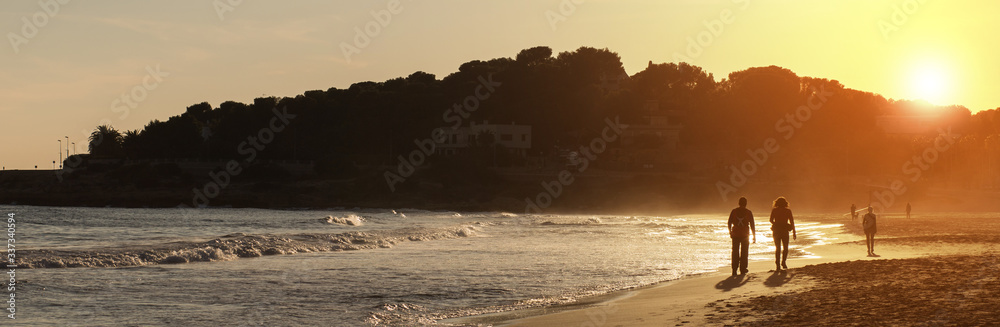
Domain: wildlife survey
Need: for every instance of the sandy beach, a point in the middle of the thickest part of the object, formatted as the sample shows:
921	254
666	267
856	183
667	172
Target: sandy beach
928	272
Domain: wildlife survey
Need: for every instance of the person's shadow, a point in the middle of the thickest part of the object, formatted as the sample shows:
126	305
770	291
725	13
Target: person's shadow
778	278
732	282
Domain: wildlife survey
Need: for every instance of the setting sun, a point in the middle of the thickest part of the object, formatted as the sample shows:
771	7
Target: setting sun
930	82
500	162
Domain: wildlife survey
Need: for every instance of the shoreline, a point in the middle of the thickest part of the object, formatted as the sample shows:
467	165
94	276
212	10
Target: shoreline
683	301
715	298
598	304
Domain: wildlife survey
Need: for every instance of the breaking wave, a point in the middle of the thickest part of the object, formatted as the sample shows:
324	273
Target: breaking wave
578	222
238	245
350	220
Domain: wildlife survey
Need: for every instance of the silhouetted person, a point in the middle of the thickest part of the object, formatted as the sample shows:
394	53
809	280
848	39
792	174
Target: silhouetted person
781	223
854	212
868	223
740	227
908	210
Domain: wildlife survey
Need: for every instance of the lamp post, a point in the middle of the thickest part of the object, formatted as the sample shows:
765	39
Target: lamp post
67	146
74	148
60	155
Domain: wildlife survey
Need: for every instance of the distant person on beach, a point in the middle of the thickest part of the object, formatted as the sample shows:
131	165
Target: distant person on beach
740	227
854	212
868	223
781	223
908	210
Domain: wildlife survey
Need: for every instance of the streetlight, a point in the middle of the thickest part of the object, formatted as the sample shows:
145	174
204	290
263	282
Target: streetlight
60	155
67	146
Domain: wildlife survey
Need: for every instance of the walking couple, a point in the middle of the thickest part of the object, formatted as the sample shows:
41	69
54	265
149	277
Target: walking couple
741	228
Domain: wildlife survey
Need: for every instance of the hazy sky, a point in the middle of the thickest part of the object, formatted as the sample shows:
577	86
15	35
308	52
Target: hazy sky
67	76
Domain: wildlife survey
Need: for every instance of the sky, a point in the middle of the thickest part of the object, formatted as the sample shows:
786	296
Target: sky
68	66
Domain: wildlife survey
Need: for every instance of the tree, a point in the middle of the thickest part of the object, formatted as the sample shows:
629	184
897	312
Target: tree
821	127
106	141
534	56
131	143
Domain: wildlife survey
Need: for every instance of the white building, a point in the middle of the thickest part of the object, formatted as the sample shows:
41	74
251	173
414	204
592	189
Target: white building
664	126
516	139
652	142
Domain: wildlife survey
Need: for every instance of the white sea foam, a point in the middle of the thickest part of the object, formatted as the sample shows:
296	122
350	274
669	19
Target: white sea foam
474	264
238	245
350	220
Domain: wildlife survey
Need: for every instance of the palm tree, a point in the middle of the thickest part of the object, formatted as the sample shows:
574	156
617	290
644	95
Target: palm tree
106	141
130	144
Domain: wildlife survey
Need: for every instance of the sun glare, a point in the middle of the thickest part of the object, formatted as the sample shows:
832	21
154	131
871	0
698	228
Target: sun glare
930	83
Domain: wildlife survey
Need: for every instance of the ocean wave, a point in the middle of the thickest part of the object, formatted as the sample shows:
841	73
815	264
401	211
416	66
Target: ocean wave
399	314
349	220
580	222
238	245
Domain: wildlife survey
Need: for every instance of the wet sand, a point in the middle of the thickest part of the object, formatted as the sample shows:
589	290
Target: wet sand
930	271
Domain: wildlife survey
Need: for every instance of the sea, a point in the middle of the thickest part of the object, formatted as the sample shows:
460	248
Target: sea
346	267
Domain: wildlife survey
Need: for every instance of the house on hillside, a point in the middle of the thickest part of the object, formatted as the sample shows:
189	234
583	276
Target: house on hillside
513	138
653	141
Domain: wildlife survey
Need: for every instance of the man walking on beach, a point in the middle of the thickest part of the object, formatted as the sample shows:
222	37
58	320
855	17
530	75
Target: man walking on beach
740	227
868	223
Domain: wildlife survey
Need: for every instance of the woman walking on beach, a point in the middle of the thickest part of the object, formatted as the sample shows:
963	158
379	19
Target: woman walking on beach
781	223
868	222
